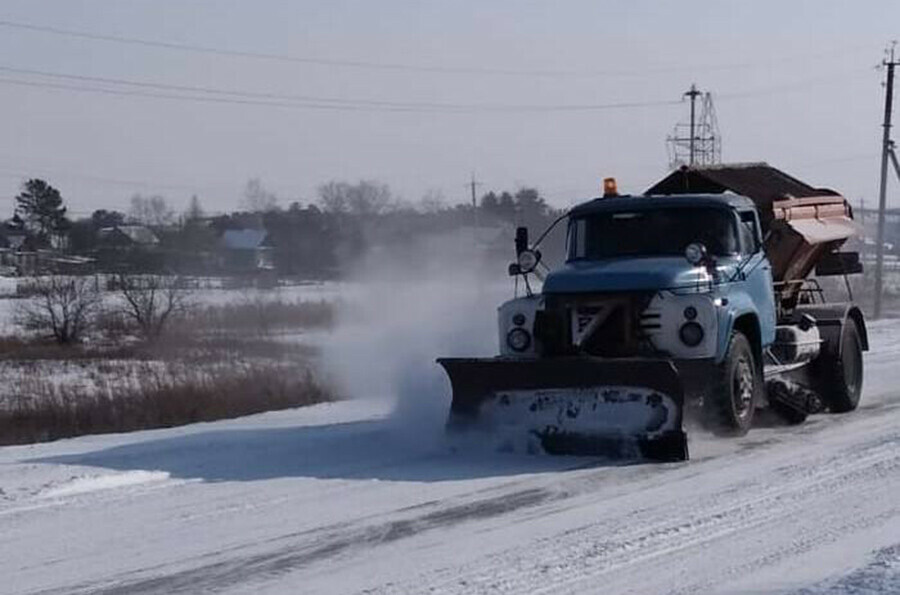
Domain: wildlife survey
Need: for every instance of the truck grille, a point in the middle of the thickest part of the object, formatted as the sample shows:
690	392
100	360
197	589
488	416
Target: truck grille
605	325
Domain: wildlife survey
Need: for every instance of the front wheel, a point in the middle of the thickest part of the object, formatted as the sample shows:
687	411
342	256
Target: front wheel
730	404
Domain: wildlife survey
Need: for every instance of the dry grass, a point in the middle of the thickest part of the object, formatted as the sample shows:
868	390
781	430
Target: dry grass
23	348
260	317
213	362
182	343
165	398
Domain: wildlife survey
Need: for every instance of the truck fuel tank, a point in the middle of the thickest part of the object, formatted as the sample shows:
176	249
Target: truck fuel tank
797	343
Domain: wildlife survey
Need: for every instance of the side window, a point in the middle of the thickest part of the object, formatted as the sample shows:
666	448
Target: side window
749	232
577	238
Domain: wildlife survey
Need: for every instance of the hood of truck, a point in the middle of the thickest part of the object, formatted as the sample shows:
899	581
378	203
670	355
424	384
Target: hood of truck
632	274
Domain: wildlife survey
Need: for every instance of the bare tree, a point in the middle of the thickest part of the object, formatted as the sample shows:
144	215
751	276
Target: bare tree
62	306
194	211
333	196
151	301
364	198
433	201
151	210
257	199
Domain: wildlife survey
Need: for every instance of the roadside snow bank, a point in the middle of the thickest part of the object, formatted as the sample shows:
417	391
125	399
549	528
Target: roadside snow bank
94	483
880	576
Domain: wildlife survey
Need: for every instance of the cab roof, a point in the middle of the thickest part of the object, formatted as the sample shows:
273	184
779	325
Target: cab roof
627	202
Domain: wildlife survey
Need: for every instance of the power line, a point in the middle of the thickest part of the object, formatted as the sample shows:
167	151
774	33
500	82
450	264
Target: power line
215	91
831	78
362	64
302	98
407	67
840	159
231	96
19	172
345	105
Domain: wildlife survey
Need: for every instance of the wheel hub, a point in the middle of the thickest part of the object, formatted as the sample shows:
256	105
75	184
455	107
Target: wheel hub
743	387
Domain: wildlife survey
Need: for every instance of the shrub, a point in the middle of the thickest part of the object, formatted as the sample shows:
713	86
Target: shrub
151	301
62	307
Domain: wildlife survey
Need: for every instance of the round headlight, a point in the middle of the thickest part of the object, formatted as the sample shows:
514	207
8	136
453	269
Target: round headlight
518	339
690	313
519	319
695	253
691	334
528	260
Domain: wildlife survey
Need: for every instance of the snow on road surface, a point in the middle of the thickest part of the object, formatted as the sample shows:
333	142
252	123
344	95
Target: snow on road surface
335	499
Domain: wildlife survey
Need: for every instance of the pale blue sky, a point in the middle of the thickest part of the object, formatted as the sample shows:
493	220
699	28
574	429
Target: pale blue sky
794	82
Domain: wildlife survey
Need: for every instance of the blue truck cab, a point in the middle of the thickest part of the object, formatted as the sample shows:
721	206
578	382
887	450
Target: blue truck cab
688	278
637	244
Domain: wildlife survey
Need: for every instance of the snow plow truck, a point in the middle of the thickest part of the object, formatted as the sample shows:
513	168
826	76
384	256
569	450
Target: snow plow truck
704	294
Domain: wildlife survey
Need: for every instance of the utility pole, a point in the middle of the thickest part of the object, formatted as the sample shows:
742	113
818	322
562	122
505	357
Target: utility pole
473	184
887	147
696	141
862	223
693	94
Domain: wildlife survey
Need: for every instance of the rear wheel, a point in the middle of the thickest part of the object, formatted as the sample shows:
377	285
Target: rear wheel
842	372
730	404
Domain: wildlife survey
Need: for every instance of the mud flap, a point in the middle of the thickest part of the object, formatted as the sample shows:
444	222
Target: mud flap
626	408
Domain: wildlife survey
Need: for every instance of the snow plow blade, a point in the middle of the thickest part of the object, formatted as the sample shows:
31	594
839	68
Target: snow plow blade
577	405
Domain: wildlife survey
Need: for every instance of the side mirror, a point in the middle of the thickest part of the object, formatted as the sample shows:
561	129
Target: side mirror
528	260
521	240
526	263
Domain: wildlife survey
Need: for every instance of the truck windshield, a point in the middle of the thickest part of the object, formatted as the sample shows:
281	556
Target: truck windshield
658	232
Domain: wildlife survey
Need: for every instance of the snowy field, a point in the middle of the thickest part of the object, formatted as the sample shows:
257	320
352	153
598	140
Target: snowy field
348	498
113	364
325	291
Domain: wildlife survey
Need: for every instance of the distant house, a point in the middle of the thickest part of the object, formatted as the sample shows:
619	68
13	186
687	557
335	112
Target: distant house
128	248
127	236
246	251
14	239
18	255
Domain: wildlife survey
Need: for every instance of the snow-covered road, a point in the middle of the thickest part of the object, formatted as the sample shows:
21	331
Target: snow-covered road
333	499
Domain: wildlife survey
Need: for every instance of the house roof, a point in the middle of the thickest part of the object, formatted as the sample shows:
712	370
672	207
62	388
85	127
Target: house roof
244	239
138	234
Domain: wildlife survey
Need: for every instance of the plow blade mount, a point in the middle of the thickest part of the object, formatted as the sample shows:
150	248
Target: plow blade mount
626	408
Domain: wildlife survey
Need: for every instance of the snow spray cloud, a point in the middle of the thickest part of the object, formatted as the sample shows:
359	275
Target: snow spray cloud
438	298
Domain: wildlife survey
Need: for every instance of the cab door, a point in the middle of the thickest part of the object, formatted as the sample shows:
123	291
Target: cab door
757	273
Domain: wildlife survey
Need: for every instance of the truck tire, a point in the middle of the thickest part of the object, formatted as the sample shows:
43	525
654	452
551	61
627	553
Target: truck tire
734	392
841	371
